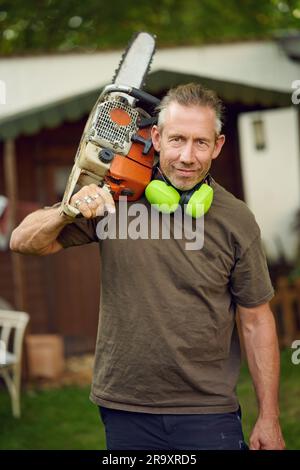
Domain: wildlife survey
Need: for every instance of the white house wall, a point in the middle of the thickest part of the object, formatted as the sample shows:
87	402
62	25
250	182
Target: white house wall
271	176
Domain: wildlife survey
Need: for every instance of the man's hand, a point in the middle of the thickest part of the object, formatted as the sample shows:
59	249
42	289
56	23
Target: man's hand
266	435
92	201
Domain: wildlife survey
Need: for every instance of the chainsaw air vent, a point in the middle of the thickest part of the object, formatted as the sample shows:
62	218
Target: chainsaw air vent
113	126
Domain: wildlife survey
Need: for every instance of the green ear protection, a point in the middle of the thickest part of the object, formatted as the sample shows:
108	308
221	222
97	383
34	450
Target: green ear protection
165	198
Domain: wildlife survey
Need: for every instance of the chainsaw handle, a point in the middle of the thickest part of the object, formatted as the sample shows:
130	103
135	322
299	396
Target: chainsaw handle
144	97
140	95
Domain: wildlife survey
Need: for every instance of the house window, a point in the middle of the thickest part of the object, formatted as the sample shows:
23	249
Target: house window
259	134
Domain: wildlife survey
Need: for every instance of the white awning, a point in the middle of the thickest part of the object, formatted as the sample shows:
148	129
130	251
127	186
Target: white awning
56	87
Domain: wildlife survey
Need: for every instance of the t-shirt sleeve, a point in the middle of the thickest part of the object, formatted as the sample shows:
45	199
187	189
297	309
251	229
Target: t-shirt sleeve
250	282
80	232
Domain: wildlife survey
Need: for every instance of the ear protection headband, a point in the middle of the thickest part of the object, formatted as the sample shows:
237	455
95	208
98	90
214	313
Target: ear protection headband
165	198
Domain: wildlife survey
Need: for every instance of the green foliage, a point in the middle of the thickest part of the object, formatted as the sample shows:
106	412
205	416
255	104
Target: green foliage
37	26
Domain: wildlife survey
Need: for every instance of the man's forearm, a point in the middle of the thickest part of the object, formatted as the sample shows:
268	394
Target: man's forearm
261	345
38	232
262	351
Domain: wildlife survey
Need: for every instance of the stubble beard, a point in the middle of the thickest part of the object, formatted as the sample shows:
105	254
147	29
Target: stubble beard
182	185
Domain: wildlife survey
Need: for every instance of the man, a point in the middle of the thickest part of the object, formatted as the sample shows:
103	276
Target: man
167	354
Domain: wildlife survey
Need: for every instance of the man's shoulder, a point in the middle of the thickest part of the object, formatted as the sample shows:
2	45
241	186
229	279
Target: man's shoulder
234	213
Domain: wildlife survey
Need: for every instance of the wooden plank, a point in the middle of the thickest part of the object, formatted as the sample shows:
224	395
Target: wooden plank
10	176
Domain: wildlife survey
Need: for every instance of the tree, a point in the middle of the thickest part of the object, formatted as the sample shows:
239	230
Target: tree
37	26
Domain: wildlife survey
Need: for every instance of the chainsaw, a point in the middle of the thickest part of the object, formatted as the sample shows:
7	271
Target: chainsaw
115	150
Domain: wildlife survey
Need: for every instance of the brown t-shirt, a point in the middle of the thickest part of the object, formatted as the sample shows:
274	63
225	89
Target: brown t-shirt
167	339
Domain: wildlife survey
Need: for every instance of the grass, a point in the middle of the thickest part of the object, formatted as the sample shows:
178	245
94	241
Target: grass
61	419
289	401
65	418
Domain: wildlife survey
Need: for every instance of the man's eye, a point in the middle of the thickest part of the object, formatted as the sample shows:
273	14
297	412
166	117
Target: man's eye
202	143
176	139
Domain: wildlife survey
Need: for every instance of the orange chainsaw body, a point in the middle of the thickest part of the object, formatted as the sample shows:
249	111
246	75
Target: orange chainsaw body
129	175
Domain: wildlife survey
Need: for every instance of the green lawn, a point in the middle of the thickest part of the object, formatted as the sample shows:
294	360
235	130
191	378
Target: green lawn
66	419
289	401
52	419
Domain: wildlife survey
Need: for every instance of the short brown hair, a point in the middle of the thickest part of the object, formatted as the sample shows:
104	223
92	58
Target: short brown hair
192	94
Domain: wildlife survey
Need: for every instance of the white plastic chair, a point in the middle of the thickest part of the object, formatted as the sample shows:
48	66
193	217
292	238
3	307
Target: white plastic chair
12	328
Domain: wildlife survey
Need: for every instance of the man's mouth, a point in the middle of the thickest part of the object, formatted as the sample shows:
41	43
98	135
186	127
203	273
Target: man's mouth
184	172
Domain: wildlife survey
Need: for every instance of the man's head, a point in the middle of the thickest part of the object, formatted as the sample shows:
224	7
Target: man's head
188	135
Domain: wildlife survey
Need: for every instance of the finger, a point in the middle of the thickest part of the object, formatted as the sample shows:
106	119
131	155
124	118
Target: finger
283	444
85	210
254	444
101	190
99	211
98	206
108	199
93	206
94	201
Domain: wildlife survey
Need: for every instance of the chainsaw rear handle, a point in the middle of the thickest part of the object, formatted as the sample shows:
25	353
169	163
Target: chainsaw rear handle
144	97
140	95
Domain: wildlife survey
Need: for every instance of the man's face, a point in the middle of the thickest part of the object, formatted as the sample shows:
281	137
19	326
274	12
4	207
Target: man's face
187	144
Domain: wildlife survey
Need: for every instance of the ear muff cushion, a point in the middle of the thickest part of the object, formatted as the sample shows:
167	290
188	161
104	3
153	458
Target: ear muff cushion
164	197
200	201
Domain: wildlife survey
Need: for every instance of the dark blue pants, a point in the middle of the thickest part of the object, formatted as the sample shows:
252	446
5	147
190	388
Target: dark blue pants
126	430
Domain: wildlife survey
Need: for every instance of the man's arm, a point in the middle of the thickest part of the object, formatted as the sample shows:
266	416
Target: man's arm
37	234
261	346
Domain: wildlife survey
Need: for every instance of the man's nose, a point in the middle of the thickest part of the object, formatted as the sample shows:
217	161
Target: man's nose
187	153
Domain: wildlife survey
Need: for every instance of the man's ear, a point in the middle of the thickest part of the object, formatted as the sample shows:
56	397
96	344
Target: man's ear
218	146
155	136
